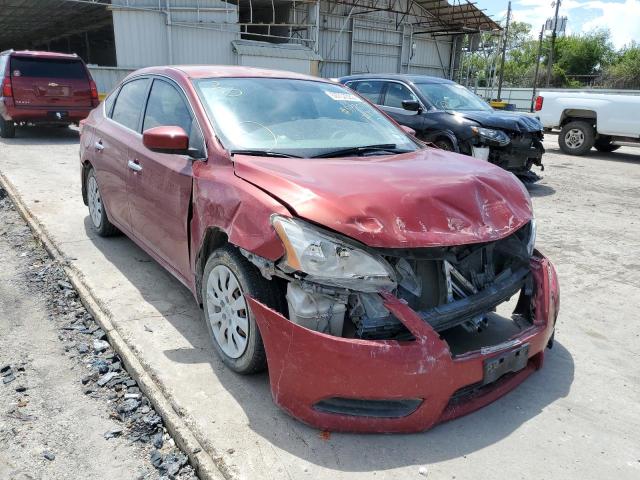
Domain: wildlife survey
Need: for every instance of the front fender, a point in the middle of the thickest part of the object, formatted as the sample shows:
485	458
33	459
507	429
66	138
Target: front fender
432	136
235	207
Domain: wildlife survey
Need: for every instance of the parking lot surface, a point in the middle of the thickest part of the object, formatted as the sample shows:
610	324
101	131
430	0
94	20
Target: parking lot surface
578	417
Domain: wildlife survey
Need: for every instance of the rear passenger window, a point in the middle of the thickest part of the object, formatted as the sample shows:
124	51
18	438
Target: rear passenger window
130	102
396	93
109	101
369	90
47	68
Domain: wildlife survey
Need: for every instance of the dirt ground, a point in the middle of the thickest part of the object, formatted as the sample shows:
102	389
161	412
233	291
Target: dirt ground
55	423
577	418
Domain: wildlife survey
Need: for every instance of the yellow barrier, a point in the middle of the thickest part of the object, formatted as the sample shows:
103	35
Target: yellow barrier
500	104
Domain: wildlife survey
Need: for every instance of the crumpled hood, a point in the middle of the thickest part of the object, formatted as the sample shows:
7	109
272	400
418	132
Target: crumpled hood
420	199
513	121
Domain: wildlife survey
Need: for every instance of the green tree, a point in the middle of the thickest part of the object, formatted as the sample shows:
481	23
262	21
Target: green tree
624	72
583	56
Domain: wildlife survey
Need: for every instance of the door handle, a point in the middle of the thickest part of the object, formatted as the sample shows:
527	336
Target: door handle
98	145
134	165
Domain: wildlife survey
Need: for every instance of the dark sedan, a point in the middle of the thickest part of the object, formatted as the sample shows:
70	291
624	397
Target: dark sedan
453	118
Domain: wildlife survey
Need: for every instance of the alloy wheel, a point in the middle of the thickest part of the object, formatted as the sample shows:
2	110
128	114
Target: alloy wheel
574	138
95	201
228	312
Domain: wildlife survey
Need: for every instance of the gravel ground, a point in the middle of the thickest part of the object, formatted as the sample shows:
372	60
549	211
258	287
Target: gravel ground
66	403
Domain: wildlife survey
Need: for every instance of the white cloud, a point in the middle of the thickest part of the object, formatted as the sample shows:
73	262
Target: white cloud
583	16
620	18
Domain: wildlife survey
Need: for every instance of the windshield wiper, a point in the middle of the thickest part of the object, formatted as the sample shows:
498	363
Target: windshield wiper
383	147
263	153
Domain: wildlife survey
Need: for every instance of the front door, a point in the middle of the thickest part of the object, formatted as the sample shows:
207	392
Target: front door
160	183
393	95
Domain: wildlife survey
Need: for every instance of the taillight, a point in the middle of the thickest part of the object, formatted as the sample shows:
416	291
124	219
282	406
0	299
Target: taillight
94	91
539	101
7	91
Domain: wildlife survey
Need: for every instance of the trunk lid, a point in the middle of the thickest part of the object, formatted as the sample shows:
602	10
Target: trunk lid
49	83
420	199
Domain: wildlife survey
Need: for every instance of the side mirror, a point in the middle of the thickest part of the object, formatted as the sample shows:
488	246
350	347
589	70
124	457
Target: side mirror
169	139
411	105
408	130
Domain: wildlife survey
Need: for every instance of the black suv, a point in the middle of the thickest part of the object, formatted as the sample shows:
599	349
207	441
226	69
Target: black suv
453	118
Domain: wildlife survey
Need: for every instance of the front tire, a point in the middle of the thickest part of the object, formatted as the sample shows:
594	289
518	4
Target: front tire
7	128
228	277
444	144
97	212
576	138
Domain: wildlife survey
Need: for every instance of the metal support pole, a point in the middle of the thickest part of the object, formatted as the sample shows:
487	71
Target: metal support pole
411	52
317	45
553	43
87	47
535	78
504	53
452	56
169	32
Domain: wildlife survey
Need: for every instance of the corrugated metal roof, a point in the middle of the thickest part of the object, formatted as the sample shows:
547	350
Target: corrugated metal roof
27	22
278	50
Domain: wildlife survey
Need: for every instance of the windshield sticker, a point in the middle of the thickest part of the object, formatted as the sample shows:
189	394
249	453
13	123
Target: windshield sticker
343	96
17	73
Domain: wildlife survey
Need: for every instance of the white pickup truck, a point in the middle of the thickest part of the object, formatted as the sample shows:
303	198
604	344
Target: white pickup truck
588	120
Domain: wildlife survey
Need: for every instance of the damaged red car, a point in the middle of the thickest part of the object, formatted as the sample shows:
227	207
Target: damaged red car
371	273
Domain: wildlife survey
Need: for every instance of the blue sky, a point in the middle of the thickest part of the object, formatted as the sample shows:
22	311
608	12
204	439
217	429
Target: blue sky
621	17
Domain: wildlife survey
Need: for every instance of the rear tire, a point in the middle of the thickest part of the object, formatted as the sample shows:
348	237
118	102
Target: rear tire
7	128
228	277
576	138
97	211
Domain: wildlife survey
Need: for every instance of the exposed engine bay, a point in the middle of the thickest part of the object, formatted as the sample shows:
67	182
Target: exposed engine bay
451	288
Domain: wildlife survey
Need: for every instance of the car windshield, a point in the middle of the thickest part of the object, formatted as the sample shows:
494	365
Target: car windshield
451	96
301	118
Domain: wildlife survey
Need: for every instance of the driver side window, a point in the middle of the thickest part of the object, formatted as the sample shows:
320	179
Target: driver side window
167	107
395	94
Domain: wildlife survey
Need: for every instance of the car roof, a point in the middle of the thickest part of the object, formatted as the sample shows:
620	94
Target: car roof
396	76
37	53
221	71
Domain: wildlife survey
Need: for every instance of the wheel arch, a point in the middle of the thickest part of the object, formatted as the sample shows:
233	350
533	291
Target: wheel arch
86	166
442	135
573	114
214	238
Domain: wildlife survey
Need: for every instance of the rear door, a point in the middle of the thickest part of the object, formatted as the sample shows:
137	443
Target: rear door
369	89
52	83
160	183
111	143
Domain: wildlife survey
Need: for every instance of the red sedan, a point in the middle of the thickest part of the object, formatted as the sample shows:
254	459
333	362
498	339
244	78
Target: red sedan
368	271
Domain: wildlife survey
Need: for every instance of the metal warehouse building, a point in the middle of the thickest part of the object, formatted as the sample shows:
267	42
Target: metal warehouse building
329	38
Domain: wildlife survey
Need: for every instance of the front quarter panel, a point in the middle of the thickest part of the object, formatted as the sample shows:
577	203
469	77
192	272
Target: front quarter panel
442	124
239	209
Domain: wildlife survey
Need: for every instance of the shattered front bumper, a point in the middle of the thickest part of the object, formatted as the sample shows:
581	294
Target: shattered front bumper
519	155
342	384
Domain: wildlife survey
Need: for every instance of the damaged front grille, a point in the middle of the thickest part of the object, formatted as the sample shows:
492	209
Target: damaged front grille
448	286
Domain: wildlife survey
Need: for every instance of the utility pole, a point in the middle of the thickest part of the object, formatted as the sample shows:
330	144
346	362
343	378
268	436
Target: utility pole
504	52
535	78
553	42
